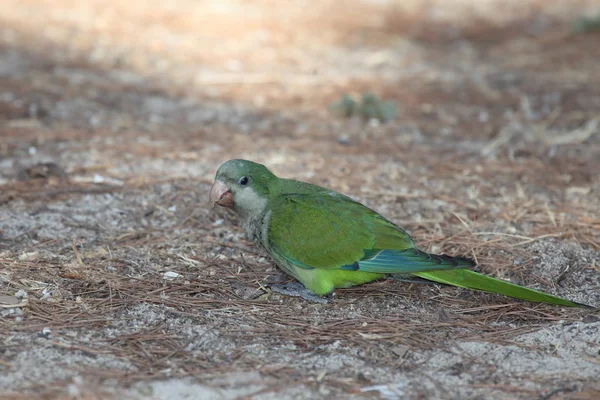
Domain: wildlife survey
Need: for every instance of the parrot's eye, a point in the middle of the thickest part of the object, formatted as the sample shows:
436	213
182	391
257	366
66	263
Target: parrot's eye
243	180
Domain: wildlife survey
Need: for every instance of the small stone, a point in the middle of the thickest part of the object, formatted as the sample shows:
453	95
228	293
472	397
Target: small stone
170	275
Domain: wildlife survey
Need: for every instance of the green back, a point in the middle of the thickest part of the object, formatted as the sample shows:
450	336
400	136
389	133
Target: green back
319	228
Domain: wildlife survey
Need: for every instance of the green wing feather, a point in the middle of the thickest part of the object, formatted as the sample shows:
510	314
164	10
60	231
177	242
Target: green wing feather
326	230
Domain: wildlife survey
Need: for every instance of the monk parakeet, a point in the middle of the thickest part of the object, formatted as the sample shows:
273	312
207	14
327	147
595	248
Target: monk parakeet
327	240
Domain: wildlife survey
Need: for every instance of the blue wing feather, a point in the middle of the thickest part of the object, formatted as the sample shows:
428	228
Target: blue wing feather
406	261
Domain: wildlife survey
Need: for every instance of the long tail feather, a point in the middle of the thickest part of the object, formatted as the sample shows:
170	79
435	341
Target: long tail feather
472	280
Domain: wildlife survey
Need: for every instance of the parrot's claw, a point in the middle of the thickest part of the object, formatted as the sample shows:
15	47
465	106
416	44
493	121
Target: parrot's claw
298	290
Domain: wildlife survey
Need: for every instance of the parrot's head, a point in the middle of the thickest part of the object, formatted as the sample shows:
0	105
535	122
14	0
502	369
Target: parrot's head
243	186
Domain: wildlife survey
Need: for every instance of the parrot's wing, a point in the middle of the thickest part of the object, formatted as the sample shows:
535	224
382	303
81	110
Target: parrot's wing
331	231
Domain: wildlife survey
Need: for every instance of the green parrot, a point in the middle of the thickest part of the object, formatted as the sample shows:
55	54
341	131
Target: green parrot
327	240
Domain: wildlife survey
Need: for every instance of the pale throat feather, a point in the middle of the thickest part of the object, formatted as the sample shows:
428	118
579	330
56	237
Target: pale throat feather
254	217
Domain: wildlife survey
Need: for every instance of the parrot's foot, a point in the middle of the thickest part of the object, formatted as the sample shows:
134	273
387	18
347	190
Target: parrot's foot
298	290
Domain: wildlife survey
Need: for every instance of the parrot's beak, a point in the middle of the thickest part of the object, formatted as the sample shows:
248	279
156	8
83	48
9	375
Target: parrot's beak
221	195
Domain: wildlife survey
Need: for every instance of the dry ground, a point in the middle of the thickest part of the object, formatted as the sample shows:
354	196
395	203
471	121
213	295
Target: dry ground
115	115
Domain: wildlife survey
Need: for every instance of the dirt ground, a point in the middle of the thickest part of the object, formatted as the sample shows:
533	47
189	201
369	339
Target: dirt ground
118	279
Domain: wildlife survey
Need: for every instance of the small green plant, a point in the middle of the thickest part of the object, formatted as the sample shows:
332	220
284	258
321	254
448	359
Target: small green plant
584	24
368	107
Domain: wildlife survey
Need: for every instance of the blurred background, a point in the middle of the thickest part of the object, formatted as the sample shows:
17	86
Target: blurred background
184	85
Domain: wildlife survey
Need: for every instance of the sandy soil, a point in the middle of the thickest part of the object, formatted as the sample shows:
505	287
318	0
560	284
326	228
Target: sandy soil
118	280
